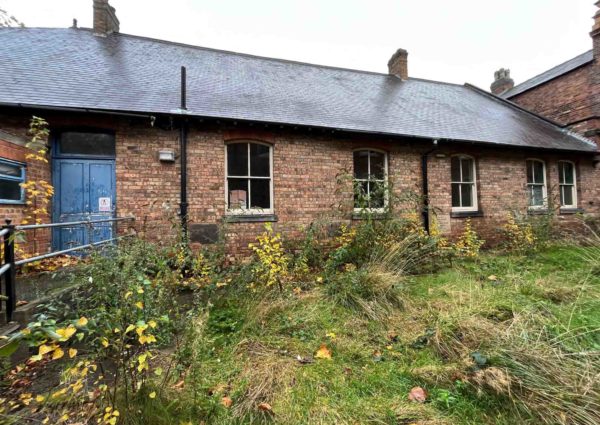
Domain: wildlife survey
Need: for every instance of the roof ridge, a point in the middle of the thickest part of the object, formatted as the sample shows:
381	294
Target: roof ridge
561	127
445	83
548	71
248	55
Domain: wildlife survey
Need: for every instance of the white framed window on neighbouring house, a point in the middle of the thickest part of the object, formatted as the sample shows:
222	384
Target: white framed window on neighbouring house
249	182
536	183
370	180
12	174
464	183
567	182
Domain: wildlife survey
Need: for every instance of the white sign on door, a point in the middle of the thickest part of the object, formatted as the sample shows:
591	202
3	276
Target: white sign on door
104	205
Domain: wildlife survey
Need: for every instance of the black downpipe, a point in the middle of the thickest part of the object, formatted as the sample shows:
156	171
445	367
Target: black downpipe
183	207
425	177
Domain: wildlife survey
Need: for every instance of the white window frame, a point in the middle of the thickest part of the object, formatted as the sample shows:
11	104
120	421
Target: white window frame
249	211
385	180
21	179
572	185
530	185
475	206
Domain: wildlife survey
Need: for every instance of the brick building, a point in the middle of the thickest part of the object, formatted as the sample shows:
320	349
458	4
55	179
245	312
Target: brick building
569	93
267	140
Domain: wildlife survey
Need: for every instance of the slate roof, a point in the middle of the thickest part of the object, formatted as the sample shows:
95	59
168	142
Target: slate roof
73	68
551	74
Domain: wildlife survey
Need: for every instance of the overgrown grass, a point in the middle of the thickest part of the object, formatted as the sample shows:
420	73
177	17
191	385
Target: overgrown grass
506	340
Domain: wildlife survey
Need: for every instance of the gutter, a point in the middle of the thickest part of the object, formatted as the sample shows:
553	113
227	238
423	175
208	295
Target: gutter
425	178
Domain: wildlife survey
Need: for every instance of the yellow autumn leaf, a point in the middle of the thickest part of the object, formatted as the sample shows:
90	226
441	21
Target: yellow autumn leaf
45	421
129	328
82	322
104	342
35	358
323	353
139	305
67	332
128	294
72	352
45	349
152	394
40	398
140	291
58	353
152	324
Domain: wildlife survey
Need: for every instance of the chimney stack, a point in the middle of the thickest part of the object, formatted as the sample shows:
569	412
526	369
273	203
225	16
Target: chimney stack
502	82
595	34
105	18
398	64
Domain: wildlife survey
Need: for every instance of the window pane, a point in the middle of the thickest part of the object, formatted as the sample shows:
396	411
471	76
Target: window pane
376	194
568	172
455	168
237	159
10	190
455	195
361	193
259	160
529	172
238	193
361	167
567	195
537	196
467	195
260	194
79	143
10	170
467	169
538	169
377	165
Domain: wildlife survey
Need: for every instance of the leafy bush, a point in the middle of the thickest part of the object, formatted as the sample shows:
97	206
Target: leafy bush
468	244
272	265
519	234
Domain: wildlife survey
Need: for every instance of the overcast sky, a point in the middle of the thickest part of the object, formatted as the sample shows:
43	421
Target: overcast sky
448	40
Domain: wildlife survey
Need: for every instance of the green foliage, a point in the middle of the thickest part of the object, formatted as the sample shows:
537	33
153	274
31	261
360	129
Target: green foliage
272	265
469	244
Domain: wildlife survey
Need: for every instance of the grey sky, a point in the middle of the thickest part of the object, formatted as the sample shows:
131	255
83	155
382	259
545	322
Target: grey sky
448	40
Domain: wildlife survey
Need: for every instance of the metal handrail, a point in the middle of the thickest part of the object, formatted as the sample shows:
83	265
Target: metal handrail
66	251
71	223
9	265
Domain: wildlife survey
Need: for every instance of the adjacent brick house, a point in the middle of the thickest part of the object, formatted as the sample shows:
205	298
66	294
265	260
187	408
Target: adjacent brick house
569	93
267	140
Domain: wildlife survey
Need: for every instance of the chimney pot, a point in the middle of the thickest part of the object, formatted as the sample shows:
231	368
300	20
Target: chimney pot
105	18
502	82
398	64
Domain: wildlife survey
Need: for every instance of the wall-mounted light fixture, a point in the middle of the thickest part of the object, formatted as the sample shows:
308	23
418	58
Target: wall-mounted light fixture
166	155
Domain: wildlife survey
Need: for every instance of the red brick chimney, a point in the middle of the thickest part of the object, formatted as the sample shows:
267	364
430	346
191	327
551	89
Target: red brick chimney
502	82
398	64
105	18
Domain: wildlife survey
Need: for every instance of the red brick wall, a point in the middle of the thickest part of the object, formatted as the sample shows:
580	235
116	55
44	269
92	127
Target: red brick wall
35	170
501	186
307	167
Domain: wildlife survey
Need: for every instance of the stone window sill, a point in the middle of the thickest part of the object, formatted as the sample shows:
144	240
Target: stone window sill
466	214
538	211
251	218
568	211
369	216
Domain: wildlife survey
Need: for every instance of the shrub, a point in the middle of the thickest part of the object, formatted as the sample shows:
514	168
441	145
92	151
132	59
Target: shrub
469	244
519	234
272	265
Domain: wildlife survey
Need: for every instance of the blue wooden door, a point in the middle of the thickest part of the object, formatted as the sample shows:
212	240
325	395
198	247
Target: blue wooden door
84	190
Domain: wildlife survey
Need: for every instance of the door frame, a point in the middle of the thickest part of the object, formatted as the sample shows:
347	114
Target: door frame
57	157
